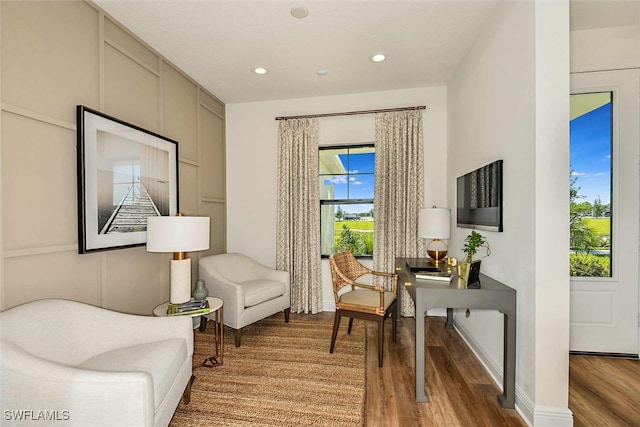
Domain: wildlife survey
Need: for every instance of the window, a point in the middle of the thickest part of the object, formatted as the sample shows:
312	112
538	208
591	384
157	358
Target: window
346	199
590	184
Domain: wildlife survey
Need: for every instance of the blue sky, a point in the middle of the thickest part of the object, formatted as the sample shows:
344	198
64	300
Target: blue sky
361	181
590	153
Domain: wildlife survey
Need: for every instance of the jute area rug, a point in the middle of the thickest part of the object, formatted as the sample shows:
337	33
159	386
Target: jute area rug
282	375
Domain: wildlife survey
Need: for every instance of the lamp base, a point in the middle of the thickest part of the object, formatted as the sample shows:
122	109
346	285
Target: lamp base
180	281
437	249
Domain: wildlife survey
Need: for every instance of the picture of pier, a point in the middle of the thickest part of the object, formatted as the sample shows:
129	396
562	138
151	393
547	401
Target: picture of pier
127	174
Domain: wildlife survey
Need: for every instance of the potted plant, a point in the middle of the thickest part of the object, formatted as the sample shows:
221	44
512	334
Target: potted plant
472	244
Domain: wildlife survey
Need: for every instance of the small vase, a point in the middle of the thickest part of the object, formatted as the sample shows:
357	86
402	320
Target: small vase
463	270
200	293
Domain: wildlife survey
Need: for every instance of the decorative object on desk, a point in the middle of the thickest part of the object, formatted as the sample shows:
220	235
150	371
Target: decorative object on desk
472	244
435	223
463	271
200	292
473	281
444	276
178	234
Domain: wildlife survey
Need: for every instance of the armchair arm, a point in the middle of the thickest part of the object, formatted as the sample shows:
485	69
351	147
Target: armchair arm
84	397
264	272
230	292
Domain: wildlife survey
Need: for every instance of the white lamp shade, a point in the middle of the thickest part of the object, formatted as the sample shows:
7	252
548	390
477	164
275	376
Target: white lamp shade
177	233
434	223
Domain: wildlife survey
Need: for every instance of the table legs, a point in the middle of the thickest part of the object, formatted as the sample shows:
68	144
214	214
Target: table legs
508	398
218	332
421	333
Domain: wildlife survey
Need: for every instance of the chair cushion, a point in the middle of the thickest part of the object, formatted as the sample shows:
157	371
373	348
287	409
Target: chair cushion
367	298
162	360
258	291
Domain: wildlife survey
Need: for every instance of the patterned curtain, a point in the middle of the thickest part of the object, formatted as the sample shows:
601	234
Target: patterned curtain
297	234
399	192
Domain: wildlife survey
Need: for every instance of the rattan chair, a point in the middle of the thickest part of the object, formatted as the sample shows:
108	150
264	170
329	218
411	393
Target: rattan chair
370	303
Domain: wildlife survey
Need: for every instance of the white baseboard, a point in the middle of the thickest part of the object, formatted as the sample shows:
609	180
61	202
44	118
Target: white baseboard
553	417
329	305
532	415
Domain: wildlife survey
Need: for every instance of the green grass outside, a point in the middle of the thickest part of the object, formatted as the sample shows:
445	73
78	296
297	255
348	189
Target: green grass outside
600	225
354	225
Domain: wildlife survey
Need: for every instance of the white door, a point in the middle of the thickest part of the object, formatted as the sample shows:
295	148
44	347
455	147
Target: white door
604	310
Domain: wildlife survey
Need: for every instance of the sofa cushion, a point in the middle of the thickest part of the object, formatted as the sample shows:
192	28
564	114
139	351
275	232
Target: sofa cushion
161	360
258	291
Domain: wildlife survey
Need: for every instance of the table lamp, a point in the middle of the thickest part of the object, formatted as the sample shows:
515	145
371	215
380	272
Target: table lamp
435	223
178	234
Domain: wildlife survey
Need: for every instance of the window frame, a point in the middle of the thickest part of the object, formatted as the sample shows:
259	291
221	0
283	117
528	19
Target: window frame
334	202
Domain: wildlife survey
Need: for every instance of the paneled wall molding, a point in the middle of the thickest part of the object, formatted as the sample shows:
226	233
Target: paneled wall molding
212	111
15	253
187	161
37	116
212	200
83	56
131	56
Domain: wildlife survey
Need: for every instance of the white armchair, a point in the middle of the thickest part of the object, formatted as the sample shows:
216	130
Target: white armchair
250	290
91	366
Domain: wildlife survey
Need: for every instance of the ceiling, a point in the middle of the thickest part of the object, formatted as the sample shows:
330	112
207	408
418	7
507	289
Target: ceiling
220	42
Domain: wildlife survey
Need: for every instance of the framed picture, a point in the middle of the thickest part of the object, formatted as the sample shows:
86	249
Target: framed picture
125	175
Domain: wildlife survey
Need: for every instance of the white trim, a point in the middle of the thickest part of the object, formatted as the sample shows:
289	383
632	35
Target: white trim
546	416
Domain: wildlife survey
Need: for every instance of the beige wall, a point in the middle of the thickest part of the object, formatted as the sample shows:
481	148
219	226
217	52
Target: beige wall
54	56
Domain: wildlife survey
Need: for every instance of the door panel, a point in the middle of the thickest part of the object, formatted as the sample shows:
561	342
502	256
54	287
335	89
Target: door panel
604	310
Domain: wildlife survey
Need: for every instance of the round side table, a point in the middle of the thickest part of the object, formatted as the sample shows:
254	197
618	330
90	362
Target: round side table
216	314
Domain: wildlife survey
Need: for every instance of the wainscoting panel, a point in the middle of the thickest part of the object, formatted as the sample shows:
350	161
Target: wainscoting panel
56	275
56	55
39	194
180	103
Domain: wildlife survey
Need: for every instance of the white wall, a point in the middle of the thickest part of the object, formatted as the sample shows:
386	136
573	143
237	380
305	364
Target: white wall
252	132
506	101
608	48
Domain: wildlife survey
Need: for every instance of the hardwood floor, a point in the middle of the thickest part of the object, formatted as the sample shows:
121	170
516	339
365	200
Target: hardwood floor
604	391
461	393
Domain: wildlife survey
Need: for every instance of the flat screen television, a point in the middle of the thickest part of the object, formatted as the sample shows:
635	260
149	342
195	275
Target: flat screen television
479	198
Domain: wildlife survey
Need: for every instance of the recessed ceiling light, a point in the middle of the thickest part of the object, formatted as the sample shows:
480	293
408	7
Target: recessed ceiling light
322	72
299	12
378	58
260	70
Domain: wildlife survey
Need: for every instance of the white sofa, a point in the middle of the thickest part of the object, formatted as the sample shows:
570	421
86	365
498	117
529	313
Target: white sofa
250	290
88	366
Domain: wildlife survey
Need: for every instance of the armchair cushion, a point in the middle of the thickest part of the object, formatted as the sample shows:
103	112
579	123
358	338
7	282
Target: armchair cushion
161	360
367	298
259	291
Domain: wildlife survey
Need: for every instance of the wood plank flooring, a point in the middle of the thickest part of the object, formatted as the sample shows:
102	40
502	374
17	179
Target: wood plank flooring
461	392
604	391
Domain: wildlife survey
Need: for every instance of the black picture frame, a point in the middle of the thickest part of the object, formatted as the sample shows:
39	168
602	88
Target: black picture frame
125	174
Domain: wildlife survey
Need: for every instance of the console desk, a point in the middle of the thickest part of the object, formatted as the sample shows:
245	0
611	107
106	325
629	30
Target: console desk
491	295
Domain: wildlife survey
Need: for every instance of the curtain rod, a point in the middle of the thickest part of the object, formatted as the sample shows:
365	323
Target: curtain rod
352	113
